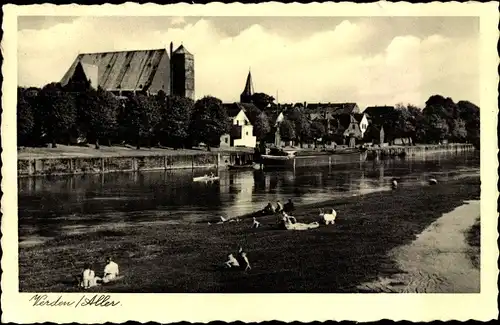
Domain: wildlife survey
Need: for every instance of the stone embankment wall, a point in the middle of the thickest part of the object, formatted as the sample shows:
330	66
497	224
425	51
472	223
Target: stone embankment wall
411	151
85	165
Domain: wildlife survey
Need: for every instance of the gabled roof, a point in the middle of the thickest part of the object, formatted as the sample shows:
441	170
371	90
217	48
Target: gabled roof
358	116
123	70
333	108
181	50
232	109
273	115
345	120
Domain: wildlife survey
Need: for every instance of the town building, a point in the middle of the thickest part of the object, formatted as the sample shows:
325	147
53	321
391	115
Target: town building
241	132
276	117
142	71
362	120
246	95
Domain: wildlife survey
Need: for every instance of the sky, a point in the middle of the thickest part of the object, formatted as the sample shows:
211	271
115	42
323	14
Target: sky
367	60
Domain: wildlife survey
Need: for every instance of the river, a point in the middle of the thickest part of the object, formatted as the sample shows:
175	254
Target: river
59	205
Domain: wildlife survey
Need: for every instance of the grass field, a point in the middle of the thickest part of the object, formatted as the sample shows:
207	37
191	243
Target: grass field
474	240
64	151
185	258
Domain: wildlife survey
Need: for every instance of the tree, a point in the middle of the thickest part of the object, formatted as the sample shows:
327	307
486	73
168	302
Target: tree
406	122
317	130
141	116
259	120
469	113
175	121
261	127
386	117
287	130
301	124
25	119
209	121
436	128
262	100
103	116
458	130
58	112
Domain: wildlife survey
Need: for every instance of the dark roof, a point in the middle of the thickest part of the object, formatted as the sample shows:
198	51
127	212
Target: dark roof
273	115
334	108
246	106
358	116
232	109
248	91
345	120
123	70
377	110
181	50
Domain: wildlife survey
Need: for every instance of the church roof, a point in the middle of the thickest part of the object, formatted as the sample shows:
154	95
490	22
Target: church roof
122	70
248	91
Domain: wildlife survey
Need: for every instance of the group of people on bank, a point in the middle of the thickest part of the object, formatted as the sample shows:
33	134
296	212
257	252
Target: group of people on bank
279	208
88	278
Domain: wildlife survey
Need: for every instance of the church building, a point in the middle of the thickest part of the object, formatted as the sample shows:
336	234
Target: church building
142	71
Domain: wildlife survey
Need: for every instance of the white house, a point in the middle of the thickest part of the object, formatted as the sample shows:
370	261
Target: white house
241	134
362	120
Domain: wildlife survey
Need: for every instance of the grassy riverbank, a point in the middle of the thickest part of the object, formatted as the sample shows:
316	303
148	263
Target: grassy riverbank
64	151
474	240
184	258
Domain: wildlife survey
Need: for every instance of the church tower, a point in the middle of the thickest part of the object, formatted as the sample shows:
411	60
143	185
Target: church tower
182	72
246	95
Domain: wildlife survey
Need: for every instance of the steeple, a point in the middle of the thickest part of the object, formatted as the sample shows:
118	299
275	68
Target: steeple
246	95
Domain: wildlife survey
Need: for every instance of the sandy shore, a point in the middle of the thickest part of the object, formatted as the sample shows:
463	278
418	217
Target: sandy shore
438	260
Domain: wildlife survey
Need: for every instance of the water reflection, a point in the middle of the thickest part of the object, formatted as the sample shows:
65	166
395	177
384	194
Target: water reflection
49	206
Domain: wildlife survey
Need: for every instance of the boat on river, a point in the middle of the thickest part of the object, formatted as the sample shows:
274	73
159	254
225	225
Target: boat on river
206	178
278	157
281	158
252	166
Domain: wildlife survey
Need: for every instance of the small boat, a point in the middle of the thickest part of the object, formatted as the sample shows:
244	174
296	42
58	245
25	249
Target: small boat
278	157
206	178
346	151
244	167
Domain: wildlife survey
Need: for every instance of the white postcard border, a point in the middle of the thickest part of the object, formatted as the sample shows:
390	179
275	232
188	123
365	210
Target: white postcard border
16	307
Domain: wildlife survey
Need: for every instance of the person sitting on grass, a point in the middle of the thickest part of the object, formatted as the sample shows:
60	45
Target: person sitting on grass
279	207
231	262
111	271
289	207
88	277
269	209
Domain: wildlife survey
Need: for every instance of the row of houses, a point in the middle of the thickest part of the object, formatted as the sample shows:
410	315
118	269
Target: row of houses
343	122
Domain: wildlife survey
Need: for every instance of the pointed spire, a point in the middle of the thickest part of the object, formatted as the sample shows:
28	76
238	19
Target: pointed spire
247	93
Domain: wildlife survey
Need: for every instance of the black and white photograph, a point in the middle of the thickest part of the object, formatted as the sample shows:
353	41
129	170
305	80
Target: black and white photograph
206	153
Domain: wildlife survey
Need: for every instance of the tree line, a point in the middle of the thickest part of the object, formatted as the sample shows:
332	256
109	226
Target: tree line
56	114
441	119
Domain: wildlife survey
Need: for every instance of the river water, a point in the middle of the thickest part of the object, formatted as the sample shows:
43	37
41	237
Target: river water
60	205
